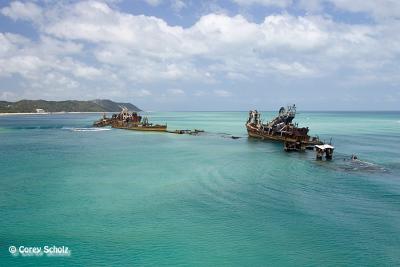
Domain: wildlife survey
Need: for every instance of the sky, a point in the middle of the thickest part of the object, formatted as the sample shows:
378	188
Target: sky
172	55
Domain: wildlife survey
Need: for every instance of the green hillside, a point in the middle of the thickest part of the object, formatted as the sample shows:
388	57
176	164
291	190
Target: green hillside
98	105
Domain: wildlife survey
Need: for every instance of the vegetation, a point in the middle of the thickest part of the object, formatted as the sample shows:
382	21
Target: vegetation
98	105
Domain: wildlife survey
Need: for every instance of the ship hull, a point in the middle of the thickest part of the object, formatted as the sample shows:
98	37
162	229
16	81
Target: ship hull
259	134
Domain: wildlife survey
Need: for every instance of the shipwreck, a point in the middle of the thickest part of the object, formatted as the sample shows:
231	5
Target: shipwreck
282	129
129	121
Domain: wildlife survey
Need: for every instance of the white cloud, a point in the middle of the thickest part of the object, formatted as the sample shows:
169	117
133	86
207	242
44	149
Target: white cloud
277	3
9	43
212	35
149	48
294	33
27	66
22	10
142	43
57	81
87	72
55	46
89	44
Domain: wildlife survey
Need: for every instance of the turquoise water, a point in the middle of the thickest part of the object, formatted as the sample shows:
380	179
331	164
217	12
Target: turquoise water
119	198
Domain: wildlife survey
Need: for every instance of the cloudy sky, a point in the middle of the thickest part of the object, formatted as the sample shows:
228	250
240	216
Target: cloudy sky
204	55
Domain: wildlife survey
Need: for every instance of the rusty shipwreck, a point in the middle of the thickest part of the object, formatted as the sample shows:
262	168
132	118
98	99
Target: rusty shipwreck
281	128
129	121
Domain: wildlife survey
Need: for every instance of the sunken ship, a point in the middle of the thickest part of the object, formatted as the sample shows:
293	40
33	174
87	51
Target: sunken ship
129	121
281	128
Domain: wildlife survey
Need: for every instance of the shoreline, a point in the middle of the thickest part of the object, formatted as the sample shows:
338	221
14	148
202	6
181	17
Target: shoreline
53	113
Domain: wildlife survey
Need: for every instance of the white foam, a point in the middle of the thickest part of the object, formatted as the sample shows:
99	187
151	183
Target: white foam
89	129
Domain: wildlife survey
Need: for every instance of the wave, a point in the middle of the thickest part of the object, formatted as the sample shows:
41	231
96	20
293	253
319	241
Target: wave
90	129
86	129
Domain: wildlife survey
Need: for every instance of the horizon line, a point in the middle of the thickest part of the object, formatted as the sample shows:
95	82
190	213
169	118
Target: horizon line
344	110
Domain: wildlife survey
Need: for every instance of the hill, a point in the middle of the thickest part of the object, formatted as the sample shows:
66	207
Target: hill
97	105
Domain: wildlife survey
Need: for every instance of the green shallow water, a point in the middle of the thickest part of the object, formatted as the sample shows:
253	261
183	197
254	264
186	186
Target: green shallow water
119	198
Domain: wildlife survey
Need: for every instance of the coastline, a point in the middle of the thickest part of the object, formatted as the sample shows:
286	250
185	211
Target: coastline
52	113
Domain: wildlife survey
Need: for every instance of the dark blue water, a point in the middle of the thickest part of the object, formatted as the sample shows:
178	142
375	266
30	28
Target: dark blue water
118	197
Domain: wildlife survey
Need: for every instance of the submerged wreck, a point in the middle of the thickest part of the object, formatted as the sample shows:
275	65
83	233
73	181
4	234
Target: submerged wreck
129	121
132	121
281	128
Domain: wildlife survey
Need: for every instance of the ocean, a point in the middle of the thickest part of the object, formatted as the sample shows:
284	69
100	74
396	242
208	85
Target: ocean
125	198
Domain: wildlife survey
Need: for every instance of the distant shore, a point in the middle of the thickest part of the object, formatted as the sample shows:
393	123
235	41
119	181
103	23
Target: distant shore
51	113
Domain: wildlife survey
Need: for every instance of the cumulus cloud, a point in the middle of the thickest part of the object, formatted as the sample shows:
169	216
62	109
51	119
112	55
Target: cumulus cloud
122	39
94	46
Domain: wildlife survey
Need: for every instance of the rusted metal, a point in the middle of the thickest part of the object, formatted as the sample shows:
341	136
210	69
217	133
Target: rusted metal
281	128
129	121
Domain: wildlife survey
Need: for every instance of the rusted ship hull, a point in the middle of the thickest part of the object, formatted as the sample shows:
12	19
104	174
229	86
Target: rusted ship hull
129	121
282	129
260	134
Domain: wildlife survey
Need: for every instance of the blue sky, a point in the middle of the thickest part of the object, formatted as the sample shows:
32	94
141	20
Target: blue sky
204	55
